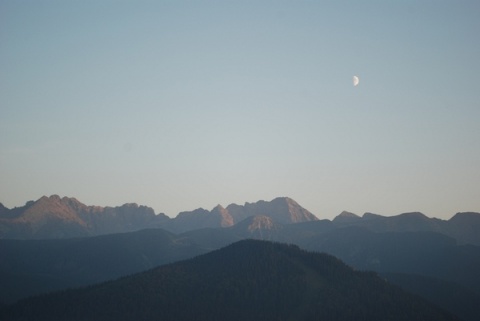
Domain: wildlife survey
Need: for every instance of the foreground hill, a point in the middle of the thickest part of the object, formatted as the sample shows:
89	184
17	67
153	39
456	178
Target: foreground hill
54	217
248	280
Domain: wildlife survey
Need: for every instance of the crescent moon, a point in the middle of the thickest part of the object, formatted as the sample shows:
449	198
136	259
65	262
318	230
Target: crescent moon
356	81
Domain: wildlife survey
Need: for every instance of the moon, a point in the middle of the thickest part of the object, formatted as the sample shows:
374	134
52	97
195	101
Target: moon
356	81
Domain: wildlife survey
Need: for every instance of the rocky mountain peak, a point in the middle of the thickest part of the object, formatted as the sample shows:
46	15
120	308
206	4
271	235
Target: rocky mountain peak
282	209
225	217
348	214
56	217
346	217
53	207
219	208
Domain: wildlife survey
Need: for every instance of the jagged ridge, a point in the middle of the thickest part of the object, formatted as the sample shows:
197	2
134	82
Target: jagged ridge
55	217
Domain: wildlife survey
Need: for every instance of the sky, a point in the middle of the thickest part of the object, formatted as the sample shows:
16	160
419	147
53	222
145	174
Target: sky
179	105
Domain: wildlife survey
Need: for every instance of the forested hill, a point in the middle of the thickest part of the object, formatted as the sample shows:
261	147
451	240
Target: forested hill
248	280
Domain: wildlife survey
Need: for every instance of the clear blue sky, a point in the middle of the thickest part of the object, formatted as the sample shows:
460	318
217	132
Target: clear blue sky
185	104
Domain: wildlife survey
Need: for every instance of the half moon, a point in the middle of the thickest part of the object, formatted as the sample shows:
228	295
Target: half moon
356	81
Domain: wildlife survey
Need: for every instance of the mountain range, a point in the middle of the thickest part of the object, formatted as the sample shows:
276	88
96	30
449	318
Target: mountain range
55	217
436	259
248	280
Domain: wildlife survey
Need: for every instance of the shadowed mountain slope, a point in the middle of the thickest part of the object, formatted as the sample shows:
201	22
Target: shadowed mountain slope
29	267
248	280
406	222
464	227
422	253
462	301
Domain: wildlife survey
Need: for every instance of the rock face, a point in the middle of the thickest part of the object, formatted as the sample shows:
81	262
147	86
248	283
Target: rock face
200	218
261	223
55	217
281	210
259	227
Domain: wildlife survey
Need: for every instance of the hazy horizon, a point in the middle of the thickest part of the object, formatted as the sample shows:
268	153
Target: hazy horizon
178	105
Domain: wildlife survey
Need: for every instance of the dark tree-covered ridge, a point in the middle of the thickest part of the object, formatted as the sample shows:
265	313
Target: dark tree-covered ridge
248	280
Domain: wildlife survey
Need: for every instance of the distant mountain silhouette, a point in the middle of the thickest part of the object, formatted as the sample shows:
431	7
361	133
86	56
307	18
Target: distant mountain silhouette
346	217
282	210
55	217
248	280
406	222
200	218
464	227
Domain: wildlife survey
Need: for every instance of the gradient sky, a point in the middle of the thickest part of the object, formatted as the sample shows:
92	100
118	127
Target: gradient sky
185	104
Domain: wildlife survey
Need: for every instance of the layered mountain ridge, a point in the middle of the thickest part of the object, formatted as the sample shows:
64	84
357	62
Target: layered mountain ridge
407	247
56	217
247	280
463	227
